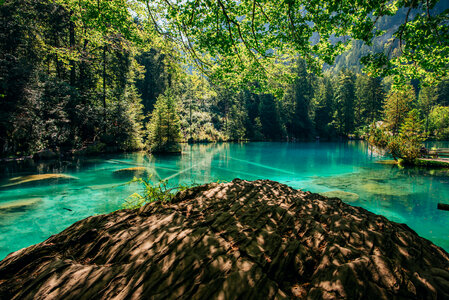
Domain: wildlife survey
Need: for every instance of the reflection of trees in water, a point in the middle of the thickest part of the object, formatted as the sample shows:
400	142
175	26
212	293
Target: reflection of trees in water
194	165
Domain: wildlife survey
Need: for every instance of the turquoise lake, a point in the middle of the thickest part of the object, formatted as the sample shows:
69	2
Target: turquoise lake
31	212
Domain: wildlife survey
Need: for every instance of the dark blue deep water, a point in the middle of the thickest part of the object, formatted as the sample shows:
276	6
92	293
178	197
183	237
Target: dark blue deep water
31	212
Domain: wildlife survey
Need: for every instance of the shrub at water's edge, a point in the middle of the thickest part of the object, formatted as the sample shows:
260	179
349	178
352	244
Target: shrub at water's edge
152	192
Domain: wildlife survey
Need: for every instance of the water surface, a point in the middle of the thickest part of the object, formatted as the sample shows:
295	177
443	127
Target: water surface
403	195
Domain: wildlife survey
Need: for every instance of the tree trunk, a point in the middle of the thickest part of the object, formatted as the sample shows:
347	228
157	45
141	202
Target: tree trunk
190	122
72	47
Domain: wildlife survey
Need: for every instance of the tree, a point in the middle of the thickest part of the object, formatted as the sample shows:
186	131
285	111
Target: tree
156	77
236	126
370	95
343	119
323	105
439	122
426	101
411	137
297	104
442	92
196	100
269	117
164	132
242	37
406	145
397	106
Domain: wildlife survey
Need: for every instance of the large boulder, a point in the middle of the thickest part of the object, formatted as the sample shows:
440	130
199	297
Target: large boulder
247	240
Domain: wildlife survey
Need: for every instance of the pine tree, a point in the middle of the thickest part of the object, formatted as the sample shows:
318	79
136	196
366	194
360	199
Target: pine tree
296	104
344	103
370	95
397	106
236	125
426	101
164	126
323	107
269	117
411	137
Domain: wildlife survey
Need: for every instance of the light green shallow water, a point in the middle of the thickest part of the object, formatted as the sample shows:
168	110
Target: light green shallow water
403	195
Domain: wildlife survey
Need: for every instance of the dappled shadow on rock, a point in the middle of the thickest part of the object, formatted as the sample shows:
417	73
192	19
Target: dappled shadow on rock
241	239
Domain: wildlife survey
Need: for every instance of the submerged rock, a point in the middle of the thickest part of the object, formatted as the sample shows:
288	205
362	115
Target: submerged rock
385	189
241	239
38	178
134	171
345	196
382	183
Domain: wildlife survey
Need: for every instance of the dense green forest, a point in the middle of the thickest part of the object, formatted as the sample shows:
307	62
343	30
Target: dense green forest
90	76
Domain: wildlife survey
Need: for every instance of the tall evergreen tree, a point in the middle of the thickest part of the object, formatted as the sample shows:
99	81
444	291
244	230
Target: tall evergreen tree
343	119
397	105
426	101
269	117
164	132
236	126
370	95
323	107
297	104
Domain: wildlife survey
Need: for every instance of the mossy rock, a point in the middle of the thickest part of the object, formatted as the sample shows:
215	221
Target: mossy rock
345	196
132	172
38	178
18	204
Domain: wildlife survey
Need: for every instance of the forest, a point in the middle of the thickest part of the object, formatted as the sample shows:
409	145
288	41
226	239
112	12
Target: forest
97	76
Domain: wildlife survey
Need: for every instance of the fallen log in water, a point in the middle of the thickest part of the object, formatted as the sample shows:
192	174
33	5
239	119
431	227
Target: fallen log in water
443	206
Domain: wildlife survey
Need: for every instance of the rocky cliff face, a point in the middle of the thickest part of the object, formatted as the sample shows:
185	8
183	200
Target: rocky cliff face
241	239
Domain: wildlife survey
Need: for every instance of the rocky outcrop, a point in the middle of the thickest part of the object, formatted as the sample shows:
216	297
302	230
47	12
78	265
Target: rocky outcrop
242	239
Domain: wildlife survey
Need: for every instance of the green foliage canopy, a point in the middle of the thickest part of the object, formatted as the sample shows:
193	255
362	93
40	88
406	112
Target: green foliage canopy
439	122
257	39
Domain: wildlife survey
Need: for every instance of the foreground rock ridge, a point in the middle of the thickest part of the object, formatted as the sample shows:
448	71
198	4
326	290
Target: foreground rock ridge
247	240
